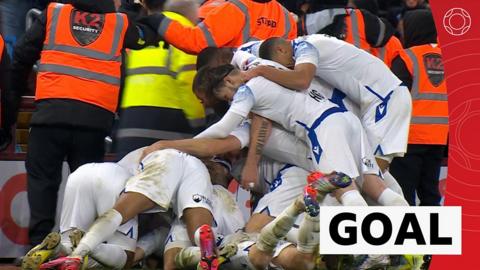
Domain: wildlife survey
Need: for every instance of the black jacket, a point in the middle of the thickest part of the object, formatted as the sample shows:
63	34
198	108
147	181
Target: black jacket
64	112
419	29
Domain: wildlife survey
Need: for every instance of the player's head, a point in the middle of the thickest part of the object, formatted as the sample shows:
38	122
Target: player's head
279	50
222	82
219	170
214	57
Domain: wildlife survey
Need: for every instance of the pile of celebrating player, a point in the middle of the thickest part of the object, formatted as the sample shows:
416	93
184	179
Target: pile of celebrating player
321	119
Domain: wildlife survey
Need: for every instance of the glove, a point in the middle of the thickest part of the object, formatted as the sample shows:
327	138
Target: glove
149	29
5	139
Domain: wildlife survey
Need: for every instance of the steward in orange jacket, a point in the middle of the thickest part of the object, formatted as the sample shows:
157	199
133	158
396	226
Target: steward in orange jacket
358	27
420	67
231	24
79	47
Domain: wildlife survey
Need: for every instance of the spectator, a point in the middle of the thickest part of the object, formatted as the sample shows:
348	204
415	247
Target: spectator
229	25
12	24
76	93
409	5
421	68
158	102
5	136
359	27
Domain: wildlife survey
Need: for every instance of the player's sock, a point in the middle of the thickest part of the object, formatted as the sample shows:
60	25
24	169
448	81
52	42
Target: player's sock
152	241
103	228
392	183
65	240
109	255
188	258
391	198
279	227
353	198
308	234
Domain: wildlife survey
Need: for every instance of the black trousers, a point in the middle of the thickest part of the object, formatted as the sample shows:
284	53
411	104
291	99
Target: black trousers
418	171
47	149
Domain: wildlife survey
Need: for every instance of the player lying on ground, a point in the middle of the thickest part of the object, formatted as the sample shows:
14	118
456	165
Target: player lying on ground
167	178
259	250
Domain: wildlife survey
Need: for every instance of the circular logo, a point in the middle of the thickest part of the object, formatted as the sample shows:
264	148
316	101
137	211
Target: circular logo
457	21
197	198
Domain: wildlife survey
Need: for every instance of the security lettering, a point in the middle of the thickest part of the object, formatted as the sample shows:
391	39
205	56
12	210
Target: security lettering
267	22
86	27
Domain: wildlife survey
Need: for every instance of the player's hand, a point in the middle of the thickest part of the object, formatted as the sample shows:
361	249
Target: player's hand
253	72
249	176
152	148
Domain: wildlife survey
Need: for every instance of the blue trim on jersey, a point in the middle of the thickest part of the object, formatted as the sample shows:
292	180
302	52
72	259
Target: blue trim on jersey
278	179
266	210
378	151
248	48
130	233
381	109
316	148
337	98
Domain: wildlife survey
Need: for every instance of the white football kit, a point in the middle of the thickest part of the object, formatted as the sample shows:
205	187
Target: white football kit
334	135
227	219
366	81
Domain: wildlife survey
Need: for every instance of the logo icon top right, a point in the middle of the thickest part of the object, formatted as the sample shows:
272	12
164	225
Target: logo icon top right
457	21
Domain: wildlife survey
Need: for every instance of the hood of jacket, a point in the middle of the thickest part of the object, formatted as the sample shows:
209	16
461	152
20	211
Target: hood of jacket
415	35
93	6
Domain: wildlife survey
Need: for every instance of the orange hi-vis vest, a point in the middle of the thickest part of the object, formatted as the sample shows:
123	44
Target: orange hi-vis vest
81	56
355	32
387	53
429	123
208	6
231	24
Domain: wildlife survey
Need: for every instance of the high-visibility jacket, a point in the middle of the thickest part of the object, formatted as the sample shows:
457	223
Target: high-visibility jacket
88	73
208	6
355	29
2	46
160	77
388	52
429	123
230	25
355	34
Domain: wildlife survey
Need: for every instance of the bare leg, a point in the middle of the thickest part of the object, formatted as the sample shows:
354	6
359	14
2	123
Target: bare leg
257	222
291	259
169	259
194	218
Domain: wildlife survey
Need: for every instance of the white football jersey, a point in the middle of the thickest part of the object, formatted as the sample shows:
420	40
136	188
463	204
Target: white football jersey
361	76
292	110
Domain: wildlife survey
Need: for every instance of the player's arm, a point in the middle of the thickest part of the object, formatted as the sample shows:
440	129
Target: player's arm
259	133
203	147
220	27
297	79
206	147
306	63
